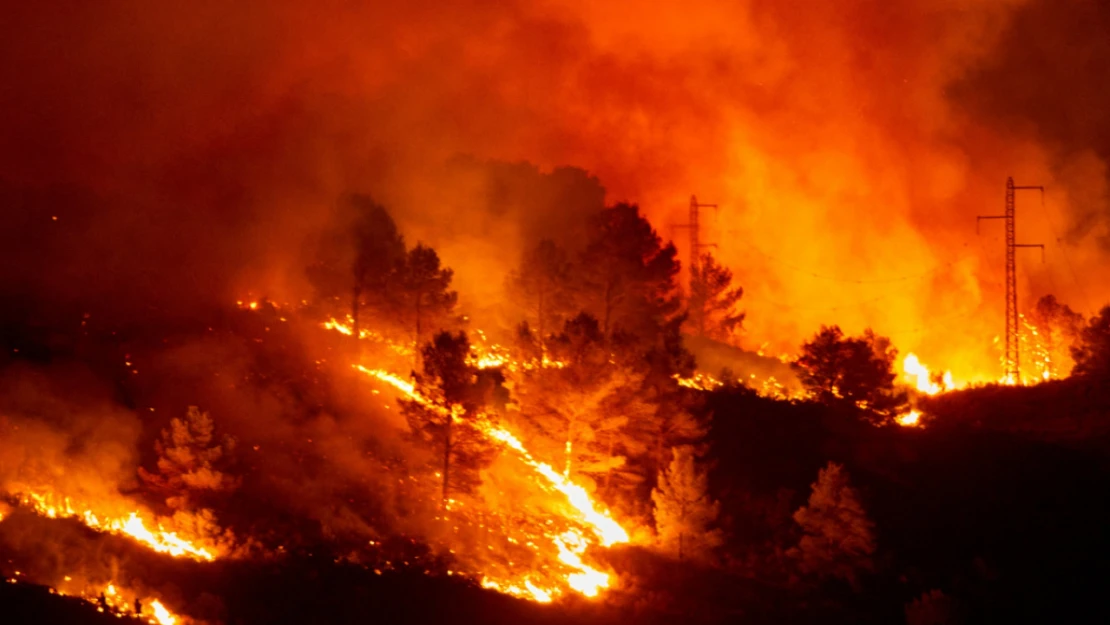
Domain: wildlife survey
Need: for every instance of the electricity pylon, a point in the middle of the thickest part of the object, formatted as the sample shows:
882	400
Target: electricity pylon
1013	350
696	246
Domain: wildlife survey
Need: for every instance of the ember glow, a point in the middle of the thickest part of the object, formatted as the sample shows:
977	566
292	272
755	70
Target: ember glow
911	419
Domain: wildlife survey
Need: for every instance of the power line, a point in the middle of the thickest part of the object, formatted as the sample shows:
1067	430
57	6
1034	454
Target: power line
890	280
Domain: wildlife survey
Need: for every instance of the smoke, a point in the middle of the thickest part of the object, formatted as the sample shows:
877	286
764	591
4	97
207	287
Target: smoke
60	431
189	150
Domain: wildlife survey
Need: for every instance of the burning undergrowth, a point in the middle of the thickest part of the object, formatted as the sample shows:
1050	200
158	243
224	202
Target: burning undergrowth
295	452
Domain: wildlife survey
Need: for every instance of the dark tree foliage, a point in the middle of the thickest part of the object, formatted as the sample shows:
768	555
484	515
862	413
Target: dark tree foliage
455	391
421	294
713	300
1091	351
542	286
356	261
628	275
850	371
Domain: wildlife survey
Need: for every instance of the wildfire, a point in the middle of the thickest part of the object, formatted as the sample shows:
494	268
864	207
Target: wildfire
110	599
572	543
132	525
911	419
918	374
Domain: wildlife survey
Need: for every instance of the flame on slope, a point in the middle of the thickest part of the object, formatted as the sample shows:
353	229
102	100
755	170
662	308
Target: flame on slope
114	601
918	374
133	525
570	544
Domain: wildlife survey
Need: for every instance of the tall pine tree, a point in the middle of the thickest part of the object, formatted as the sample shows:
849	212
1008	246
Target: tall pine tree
713	301
446	422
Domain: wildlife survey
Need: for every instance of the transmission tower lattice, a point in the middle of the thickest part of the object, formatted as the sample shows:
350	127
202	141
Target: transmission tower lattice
1012	363
696	246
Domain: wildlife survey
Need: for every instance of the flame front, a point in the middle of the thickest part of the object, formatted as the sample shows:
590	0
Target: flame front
132	525
572	543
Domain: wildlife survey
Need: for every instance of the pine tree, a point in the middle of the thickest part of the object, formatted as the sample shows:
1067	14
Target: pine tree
855	371
542	284
578	409
1091	351
379	249
673	422
684	511
356	260
447	422
191	461
421	293
712	302
628	277
839	538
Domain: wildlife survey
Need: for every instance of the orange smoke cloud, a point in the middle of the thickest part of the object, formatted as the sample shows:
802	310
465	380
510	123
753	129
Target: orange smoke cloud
850	144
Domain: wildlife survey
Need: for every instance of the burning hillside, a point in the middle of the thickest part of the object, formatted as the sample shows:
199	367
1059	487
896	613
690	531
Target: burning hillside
566	306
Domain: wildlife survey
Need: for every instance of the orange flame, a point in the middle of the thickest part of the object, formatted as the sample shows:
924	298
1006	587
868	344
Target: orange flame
585	579
132	525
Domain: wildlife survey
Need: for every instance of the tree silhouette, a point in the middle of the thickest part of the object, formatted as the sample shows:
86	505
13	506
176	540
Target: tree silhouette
627	275
422	295
850	371
191	461
379	249
356	260
683	508
454	391
1092	349
839	538
712	302
543	284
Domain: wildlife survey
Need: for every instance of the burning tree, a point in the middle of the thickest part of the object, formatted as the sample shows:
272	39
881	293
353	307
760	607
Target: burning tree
713	301
1056	329
583	407
839	538
683	509
852	371
1091	351
455	391
190	460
